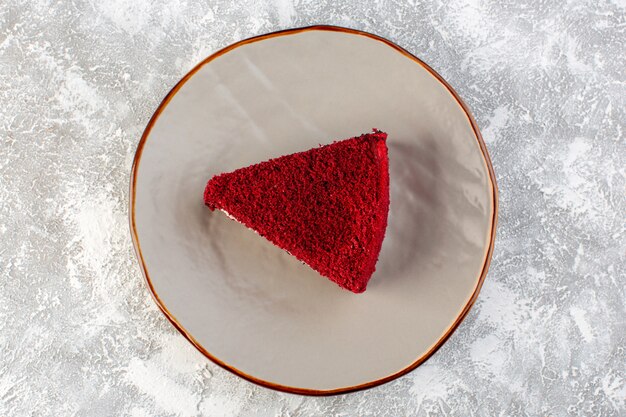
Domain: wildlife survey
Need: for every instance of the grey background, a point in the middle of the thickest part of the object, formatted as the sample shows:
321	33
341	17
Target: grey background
79	334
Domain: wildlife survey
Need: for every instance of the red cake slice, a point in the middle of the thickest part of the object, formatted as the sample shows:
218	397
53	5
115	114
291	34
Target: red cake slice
326	206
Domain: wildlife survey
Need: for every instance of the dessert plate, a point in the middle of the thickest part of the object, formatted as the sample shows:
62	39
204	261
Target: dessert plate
251	307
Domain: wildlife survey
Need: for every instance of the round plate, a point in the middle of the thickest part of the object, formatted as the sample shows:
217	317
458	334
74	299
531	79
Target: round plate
248	305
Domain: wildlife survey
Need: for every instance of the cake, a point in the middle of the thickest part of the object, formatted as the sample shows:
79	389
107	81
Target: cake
326	206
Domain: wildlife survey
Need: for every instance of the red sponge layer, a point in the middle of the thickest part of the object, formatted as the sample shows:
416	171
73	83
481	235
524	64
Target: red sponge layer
326	206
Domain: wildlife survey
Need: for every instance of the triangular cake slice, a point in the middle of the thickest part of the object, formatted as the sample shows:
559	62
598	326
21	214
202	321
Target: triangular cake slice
326	206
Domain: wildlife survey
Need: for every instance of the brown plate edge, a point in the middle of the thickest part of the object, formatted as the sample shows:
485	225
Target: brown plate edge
188	336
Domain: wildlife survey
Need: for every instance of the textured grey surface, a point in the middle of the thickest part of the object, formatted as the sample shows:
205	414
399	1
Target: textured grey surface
79	80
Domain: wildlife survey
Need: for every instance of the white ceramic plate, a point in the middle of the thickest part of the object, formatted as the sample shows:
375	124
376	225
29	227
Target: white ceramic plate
248	305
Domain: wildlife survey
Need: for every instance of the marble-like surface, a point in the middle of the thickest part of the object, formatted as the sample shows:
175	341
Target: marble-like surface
79	334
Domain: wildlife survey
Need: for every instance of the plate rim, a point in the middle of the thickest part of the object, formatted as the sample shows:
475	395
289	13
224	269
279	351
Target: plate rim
267	384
